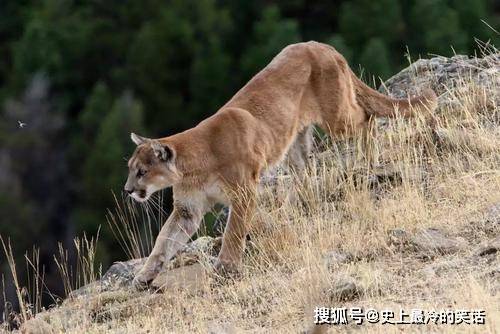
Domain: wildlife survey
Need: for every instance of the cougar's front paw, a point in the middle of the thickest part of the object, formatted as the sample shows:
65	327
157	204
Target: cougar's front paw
143	278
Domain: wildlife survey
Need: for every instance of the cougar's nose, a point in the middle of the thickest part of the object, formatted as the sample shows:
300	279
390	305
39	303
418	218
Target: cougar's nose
128	191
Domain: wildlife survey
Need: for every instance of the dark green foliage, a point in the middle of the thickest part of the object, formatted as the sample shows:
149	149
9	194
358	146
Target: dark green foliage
97	106
338	42
361	20
439	27
375	58
105	173
270	34
163	43
474	19
11	24
57	41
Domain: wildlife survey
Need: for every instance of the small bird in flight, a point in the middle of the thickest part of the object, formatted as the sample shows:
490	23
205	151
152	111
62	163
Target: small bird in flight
21	124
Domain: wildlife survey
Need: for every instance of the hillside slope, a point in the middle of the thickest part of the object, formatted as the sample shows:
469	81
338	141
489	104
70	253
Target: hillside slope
408	220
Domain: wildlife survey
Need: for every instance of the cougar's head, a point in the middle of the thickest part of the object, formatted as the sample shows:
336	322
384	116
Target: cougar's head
151	168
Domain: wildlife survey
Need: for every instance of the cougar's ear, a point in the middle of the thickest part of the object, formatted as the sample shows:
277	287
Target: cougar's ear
138	140
162	151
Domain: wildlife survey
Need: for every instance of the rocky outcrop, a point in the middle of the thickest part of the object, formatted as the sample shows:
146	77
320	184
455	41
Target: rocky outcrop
441	74
489	248
183	270
344	289
428	242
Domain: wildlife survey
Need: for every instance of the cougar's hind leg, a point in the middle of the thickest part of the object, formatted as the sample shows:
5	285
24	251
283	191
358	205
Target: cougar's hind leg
367	142
298	154
233	241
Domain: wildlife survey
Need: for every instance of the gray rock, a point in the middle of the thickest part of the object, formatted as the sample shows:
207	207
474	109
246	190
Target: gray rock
335	258
344	289
121	274
203	248
203	245
221	328
433	241
118	276
493	213
441	73
398	237
429	241
192	278
491	247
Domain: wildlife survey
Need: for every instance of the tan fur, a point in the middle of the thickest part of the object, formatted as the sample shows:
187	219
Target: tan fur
221	159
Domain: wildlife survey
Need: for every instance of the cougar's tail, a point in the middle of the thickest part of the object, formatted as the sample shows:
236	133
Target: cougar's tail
377	104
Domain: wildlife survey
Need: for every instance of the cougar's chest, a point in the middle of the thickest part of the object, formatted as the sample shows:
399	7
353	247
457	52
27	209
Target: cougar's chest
216	195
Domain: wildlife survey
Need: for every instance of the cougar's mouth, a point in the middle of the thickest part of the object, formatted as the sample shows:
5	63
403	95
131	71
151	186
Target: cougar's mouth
140	195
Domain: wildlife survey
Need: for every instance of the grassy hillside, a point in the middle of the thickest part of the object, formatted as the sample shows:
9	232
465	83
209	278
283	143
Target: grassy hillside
403	220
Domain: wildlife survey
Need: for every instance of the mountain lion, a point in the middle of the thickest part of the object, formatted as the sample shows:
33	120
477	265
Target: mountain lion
221	159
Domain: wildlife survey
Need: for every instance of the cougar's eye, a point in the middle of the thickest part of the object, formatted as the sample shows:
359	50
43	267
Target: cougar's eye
141	172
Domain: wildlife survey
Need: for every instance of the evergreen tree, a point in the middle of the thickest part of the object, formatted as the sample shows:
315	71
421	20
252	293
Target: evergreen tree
35	176
471	14
338	42
97	106
270	35
104	169
157	63
57	42
211	78
11	28
437	27
375	59
361	20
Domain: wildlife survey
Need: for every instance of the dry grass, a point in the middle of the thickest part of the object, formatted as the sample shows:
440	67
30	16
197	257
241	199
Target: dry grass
410	176
136	225
86	270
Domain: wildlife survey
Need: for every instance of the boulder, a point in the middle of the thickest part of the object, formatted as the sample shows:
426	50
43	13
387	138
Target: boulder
344	289
429	241
398	237
118	276
491	247
221	328
335	258
192	278
121	274
433	241
203	248
441	73
492	214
